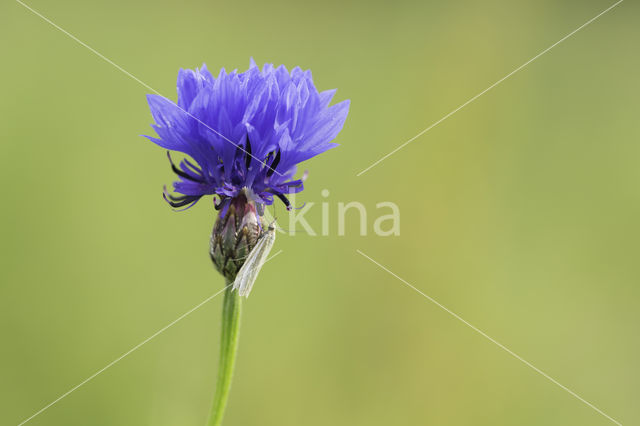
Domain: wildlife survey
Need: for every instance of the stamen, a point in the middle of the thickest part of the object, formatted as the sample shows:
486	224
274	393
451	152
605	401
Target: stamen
274	164
182	173
282	198
180	201
217	204
193	167
247	157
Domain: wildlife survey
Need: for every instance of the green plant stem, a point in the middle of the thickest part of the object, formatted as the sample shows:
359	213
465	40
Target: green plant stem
231	309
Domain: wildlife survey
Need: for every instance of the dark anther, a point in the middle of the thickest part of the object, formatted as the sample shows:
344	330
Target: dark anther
274	164
247	158
180	172
218	204
176	202
282	198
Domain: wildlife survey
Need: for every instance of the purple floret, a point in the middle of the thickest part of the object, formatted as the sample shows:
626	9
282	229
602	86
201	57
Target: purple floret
245	132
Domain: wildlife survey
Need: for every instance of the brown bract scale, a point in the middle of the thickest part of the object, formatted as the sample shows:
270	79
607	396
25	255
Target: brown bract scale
234	236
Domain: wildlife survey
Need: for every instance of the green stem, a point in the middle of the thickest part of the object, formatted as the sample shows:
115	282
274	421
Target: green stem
228	347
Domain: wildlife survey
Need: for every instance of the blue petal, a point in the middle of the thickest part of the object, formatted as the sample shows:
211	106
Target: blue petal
278	114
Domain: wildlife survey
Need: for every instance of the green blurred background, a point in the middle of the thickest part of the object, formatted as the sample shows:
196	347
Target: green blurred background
520	213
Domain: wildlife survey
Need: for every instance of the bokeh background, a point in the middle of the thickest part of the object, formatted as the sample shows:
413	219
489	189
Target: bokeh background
520	213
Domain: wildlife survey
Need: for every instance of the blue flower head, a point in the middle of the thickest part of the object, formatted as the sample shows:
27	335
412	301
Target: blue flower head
244	132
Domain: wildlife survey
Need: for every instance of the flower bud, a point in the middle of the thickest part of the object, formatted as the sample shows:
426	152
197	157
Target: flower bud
234	235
